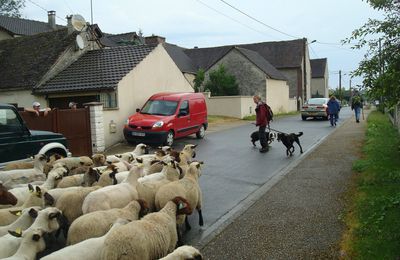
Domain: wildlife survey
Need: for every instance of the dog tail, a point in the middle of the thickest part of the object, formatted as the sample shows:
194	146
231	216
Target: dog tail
300	134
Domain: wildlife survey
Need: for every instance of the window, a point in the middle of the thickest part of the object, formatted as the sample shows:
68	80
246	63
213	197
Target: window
109	99
184	108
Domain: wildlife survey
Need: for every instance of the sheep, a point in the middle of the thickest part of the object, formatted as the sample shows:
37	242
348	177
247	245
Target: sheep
51	196
70	202
187	187
112	159
98	159
189	151
89	249
47	220
32	242
74	162
6	198
71	181
97	223
26	217
115	196
107	176
167	167
151	237
35	199
22	193
18	165
147	190
14	177
184	252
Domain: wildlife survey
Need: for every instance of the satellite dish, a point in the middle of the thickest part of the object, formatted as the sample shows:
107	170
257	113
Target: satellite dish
80	42
78	22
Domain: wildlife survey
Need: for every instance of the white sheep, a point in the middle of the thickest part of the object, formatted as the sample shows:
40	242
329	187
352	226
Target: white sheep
13	177
51	196
151	237
70	202
187	187
74	162
35	199
32	242
189	151
170	168
97	223
183	253
147	190
89	249
47	220
22	193
71	181
98	159
107	176
115	196
24	220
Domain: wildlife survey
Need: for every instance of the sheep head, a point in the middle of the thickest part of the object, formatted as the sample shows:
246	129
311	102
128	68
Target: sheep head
183	206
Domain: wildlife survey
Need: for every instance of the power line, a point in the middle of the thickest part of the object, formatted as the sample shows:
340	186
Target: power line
215	10
258	21
45	10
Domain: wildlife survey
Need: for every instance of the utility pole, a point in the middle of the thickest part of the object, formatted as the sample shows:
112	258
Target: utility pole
340	85
91	12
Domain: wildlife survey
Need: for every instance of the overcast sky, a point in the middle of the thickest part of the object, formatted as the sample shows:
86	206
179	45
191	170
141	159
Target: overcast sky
207	23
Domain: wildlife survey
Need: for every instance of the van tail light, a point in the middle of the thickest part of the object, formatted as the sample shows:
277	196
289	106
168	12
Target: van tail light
305	107
321	107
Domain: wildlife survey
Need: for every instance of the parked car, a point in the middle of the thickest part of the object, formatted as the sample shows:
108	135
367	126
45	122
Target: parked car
17	142
167	116
315	108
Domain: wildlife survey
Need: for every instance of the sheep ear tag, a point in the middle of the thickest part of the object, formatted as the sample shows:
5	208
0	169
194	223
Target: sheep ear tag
16	212
181	205
18	231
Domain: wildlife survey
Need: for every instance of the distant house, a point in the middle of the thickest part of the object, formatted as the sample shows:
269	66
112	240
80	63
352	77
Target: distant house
320	78
11	27
290	58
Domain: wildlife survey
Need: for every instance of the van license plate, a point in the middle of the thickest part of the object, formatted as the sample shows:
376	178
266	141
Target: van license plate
138	134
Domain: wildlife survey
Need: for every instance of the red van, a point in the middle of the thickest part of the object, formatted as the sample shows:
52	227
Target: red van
167	116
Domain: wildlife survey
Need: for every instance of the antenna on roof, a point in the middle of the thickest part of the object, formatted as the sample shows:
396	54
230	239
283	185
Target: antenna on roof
78	22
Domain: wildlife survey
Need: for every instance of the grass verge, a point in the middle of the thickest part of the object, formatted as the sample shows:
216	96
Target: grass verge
373	210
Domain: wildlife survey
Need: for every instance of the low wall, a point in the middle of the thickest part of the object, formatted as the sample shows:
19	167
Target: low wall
394	116
292	104
233	106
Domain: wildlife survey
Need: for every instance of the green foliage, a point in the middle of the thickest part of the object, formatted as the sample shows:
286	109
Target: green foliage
377	204
381	64
198	80
221	83
11	7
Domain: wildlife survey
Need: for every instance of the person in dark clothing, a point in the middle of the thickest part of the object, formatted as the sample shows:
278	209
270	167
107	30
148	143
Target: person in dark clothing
261	122
333	110
357	104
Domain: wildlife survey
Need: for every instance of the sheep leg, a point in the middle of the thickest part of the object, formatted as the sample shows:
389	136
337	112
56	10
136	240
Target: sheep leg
200	217
179	232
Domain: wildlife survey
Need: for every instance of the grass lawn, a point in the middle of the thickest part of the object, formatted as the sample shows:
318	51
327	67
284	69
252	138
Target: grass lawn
373	210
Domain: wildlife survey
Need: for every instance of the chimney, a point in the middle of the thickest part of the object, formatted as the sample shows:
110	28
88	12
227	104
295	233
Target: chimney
154	40
52	19
69	24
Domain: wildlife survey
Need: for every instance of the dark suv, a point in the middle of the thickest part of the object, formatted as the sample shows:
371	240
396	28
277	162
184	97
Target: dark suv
17	142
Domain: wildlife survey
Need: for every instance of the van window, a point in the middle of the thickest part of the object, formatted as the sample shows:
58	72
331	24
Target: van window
184	108
159	107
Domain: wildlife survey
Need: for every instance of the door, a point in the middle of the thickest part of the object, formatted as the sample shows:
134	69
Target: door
183	121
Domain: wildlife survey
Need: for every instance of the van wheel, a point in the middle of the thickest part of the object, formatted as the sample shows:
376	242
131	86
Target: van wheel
170	138
201	133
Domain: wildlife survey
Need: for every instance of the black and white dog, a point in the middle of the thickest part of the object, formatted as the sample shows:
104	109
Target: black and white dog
288	140
256	137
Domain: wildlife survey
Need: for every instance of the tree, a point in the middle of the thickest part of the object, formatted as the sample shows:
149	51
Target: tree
222	83
381	64
11	7
198	80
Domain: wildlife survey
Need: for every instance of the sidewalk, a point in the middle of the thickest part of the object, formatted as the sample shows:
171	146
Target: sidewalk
299	217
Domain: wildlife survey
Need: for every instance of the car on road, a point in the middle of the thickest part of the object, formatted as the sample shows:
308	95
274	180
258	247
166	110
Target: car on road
17	142
167	116
315	108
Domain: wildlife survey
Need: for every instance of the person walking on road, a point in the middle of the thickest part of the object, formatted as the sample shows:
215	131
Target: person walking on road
357	104
261	122
333	110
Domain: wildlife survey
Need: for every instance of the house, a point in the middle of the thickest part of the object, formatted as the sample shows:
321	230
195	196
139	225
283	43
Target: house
11	27
290	58
319	78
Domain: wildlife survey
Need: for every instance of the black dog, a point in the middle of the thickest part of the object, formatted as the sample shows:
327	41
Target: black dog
256	137
288	140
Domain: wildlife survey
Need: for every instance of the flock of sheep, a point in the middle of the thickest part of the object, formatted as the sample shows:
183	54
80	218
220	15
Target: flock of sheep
127	206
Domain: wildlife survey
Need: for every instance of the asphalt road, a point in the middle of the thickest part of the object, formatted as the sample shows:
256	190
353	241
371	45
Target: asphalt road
236	174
